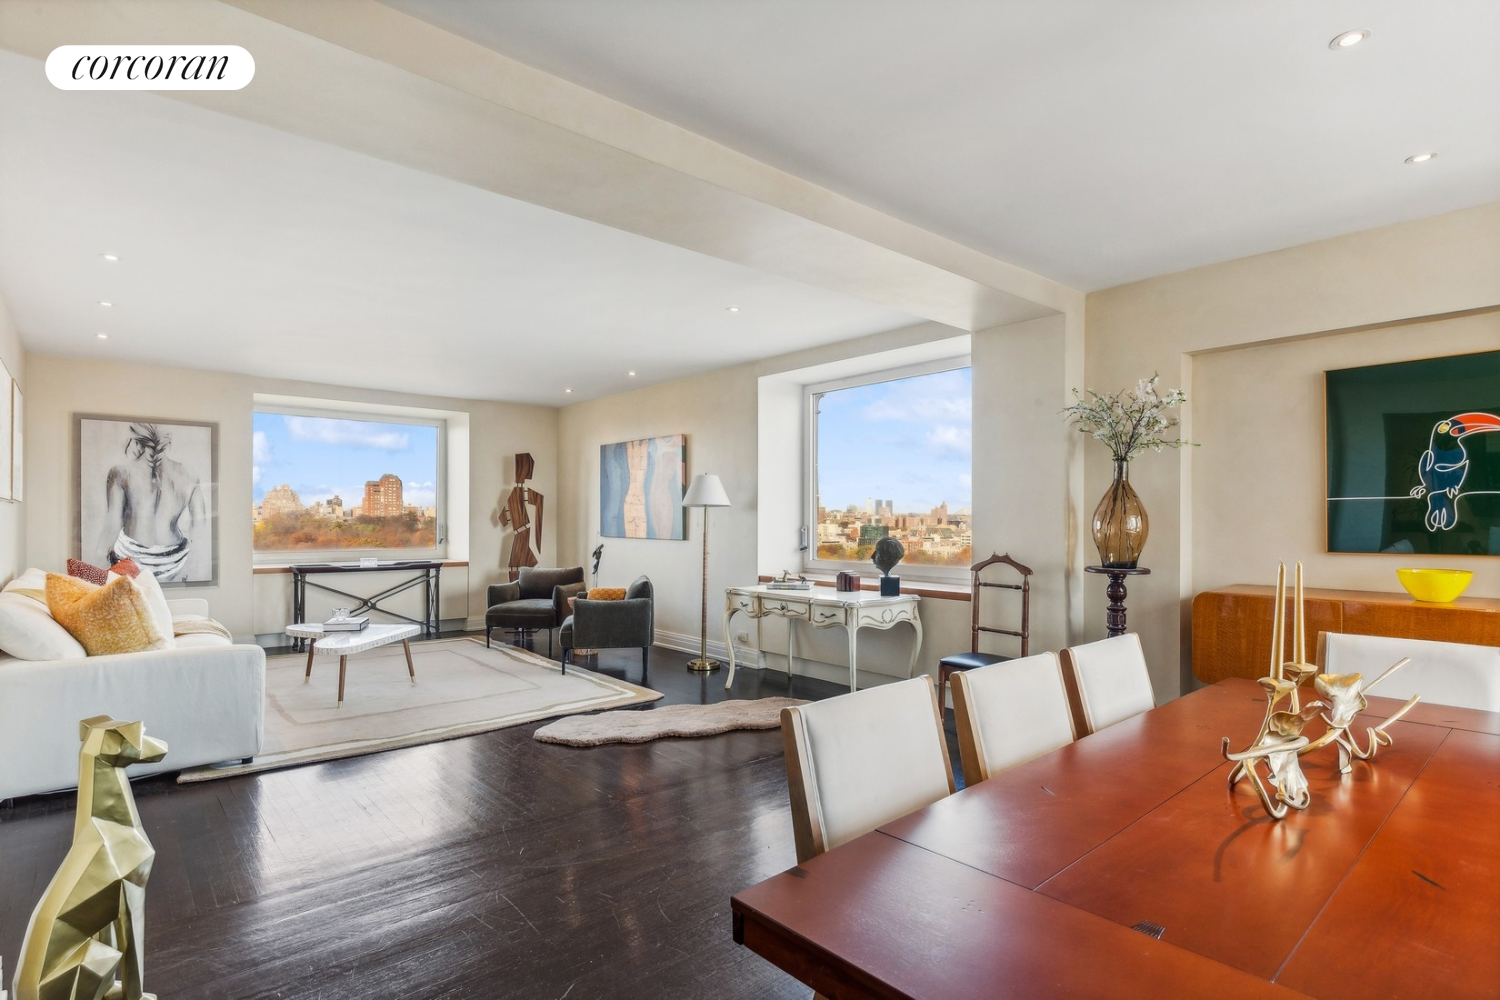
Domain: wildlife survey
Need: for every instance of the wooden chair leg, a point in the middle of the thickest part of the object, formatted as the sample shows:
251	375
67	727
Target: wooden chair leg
487	630
308	676
343	664
566	653
409	668
645	662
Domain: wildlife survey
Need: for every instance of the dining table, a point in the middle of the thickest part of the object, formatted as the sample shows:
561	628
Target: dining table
1125	864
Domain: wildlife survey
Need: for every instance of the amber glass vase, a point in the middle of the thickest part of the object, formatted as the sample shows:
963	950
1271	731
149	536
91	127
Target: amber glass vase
1120	525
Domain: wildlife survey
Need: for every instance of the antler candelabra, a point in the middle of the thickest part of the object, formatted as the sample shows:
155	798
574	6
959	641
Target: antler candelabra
1280	743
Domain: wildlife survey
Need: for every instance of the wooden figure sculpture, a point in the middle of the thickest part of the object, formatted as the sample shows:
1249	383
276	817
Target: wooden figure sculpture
526	543
87	935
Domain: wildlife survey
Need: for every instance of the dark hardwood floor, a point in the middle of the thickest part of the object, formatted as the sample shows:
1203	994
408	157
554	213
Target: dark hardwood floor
485	867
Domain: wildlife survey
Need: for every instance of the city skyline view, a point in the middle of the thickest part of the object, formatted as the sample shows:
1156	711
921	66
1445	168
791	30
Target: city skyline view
907	440
322	457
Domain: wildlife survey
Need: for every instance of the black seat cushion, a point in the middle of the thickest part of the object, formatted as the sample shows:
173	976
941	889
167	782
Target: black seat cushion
968	661
536	612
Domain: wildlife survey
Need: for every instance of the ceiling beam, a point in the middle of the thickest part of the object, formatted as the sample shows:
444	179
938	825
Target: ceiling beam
368	78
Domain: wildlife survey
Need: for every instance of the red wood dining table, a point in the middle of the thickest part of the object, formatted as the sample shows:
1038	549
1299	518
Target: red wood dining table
1030	884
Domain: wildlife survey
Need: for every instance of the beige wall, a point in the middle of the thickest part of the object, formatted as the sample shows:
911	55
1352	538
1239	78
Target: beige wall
1020	477
13	515
1327	290
60	387
1274	393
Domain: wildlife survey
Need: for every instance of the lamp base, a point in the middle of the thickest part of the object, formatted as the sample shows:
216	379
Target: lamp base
704	665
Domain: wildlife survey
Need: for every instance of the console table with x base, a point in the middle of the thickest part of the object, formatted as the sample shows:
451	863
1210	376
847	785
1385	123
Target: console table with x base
426	576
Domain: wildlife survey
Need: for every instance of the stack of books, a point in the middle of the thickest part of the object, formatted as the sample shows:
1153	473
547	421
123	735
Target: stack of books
345	623
789	585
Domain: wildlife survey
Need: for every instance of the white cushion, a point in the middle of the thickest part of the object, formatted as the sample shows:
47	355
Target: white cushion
1015	711
874	755
1443	673
201	640
29	632
161	613
32	584
1113	682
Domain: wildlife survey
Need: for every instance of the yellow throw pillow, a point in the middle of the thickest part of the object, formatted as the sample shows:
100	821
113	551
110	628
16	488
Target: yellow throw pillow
607	594
114	618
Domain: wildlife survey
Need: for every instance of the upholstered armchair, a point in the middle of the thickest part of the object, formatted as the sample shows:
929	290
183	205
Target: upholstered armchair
612	624
538	600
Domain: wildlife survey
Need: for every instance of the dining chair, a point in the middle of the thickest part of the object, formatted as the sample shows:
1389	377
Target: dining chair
860	760
1443	673
1009	713
956	662
1110	682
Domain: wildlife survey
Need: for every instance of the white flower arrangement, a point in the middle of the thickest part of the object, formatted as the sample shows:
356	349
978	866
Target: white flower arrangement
1130	421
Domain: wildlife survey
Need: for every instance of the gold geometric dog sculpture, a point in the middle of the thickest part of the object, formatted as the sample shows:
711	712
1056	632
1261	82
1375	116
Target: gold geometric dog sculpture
87	935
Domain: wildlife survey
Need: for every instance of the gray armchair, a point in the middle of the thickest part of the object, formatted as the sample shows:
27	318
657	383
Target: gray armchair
612	624
538	600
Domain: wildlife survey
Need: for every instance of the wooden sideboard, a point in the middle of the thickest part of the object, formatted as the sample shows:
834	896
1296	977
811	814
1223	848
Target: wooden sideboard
1232	626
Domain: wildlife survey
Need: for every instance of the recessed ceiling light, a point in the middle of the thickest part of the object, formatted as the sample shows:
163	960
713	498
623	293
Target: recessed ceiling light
106	303
734	309
109	256
567	390
102	336
1348	39
1421	157
631	374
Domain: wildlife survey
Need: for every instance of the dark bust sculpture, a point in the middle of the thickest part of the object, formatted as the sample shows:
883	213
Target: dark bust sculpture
888	552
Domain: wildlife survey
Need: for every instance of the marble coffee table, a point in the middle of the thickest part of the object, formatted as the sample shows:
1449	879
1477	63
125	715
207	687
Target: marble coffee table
346	644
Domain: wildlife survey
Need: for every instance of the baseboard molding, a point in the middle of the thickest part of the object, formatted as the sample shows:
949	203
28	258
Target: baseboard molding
745	657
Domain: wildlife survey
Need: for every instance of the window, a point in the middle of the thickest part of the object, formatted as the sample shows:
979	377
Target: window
889	456
328	482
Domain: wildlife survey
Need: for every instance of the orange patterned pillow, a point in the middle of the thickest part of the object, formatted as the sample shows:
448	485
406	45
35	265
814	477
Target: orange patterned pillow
607	594
114	618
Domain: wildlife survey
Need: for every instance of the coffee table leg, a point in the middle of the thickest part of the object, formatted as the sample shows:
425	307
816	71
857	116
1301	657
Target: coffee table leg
409	668
308	676
343	662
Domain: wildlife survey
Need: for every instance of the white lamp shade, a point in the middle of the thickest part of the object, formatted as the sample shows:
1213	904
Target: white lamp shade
706	491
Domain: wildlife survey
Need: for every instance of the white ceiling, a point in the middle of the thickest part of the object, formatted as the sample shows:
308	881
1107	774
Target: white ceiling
1092	141
247	249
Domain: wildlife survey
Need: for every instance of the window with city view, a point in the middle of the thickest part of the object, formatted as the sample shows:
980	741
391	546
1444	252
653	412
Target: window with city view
891	458
327	483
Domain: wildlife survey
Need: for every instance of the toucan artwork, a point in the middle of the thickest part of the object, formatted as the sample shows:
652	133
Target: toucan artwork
1444	465
1413	456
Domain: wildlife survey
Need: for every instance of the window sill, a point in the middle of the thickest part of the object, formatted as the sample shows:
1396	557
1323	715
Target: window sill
922	588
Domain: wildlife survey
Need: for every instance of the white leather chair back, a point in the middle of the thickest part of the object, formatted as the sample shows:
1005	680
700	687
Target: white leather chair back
861	760
1443	673
1112	681
1009	713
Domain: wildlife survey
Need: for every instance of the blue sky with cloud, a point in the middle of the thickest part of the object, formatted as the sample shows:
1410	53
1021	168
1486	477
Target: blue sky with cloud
323	456
908	441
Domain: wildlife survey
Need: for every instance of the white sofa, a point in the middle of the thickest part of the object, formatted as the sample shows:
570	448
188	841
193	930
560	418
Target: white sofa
205	698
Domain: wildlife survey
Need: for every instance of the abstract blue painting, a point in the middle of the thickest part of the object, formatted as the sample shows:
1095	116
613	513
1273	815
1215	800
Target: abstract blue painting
640	488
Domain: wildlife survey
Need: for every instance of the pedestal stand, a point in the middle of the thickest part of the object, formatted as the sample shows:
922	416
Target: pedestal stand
1115	614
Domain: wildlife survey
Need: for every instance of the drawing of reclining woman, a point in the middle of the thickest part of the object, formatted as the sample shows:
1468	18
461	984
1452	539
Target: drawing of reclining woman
154	509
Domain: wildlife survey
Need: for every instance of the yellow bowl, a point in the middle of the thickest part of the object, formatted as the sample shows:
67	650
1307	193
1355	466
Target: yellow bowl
1435	586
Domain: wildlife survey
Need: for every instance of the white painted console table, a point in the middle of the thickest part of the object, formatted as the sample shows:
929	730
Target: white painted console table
822	607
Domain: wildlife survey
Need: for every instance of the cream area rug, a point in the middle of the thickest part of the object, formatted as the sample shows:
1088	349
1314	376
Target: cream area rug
673	720
461	688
